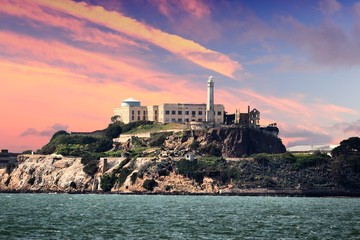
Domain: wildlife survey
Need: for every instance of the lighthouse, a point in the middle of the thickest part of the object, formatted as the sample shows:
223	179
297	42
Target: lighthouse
210	113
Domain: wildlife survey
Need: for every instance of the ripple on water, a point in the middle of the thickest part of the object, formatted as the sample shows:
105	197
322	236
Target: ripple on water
54	216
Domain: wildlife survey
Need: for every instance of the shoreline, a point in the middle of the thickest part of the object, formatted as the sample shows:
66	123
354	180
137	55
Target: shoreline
351	193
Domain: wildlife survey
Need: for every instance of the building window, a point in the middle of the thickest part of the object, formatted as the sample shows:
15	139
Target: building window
138	118
200	120
186	120
193	113
132	112
132	118
179	112
155	112
173	120
144	118
144	112
167	112
200	112
179	120
219	113
173	112
139	112
186	112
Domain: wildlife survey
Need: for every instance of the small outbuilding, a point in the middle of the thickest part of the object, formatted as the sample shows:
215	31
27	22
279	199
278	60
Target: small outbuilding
190	156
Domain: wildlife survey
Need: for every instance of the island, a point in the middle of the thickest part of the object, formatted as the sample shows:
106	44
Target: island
146	157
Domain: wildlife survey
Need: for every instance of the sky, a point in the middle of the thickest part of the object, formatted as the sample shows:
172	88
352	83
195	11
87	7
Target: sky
66	64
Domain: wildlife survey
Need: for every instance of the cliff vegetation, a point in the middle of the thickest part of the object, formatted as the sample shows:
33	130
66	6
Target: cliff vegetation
227	160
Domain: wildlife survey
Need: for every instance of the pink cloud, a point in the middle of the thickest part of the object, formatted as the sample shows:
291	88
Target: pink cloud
76	28
329	7
301	121
185	48
194	8
327	44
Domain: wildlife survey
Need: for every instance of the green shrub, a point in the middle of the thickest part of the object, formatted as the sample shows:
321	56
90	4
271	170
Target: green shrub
194	144
157	139
150	184
117	153
137	151
59	133
48	149
347	147
210	161
311	160
76	139
262	159
164	168
186	167
113	130
101	145
107	182
88	157
345	170
124	173
132	125
265	158
75	150
190	169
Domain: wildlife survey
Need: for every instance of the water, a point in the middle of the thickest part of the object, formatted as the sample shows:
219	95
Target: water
64	216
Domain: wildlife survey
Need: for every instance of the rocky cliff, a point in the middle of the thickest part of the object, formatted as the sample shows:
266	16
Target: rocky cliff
45	173
235	142
160	165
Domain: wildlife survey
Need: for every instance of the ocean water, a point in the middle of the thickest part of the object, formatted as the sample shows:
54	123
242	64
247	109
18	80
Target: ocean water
66	216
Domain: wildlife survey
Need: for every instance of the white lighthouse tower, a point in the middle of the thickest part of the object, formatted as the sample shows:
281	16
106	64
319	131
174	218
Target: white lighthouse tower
210	112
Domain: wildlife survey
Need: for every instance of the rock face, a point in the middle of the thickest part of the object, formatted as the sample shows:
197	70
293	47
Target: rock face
157	161
232	142
237	142
46	173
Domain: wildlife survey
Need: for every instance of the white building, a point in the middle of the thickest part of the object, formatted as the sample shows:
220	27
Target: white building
168	113
131	111
310	149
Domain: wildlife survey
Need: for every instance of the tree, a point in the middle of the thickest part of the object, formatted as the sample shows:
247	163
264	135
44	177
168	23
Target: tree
347	147
58	133
113	130
115	118
346	162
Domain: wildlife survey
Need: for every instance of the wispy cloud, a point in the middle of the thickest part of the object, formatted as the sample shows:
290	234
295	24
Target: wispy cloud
46	132
296	136
171	9
329	7
188	49
327	44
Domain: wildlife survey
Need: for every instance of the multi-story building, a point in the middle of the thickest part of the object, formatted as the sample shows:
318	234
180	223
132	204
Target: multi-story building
131	111
184	113
250	119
